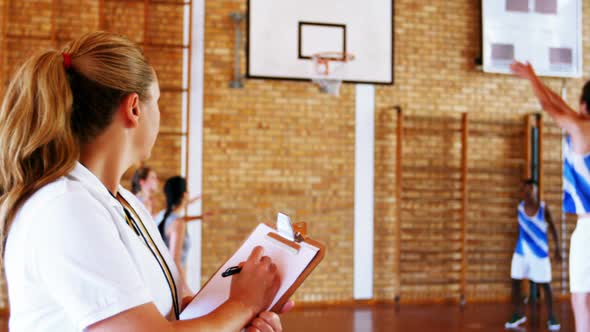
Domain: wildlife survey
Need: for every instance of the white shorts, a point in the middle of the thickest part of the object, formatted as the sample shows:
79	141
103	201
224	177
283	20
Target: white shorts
531	267
580	257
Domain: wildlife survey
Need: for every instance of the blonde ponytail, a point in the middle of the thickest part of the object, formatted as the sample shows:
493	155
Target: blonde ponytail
36	142
49	110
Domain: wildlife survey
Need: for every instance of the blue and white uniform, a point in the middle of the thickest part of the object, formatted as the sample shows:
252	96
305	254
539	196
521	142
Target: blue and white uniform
576	181
531	256
576	200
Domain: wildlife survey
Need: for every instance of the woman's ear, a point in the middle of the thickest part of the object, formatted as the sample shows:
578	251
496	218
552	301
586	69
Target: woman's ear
130	110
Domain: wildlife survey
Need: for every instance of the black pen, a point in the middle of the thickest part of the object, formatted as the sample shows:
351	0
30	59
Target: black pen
231	271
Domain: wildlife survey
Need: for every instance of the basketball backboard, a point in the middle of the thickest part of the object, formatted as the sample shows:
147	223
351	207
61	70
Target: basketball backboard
546	33
283	36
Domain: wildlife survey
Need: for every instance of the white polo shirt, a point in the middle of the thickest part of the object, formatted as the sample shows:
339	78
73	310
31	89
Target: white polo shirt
71	260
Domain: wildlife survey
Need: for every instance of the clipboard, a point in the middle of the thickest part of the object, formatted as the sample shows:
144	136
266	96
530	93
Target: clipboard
295	260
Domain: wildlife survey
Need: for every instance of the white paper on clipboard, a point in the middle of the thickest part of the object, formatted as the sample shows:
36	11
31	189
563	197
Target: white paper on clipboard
290	264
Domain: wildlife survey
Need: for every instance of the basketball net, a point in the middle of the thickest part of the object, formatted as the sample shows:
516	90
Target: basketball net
329	69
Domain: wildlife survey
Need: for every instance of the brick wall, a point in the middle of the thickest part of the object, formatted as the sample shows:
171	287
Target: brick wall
276	146
262	147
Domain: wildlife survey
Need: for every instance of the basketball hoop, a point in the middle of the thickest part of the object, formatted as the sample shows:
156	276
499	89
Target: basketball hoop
329	69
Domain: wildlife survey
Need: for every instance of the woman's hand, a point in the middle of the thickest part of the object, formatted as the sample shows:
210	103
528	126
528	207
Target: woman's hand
523	70
269	321
257	284
194	199
208	214
203	217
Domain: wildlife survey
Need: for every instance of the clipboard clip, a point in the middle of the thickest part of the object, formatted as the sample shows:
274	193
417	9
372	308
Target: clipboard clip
296	232
289	235
300	231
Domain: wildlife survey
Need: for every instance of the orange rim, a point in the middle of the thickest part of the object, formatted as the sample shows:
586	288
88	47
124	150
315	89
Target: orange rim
324	57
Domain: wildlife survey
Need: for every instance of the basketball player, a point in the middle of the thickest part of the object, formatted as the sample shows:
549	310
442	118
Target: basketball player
531	256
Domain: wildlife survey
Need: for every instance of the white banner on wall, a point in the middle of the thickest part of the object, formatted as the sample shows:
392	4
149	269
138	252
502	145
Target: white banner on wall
546	33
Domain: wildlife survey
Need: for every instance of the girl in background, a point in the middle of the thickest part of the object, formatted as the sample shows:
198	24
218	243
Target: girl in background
172	222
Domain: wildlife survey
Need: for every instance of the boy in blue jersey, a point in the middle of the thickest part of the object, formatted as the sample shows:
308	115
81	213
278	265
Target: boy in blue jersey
576	182
531	255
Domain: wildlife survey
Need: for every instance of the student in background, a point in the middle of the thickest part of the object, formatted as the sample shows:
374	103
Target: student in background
172	221
144	185
531	255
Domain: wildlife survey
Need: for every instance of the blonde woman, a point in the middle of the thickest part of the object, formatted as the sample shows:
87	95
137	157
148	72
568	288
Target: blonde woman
80	252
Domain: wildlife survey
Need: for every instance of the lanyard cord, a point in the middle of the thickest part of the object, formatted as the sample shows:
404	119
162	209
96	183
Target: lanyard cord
149	241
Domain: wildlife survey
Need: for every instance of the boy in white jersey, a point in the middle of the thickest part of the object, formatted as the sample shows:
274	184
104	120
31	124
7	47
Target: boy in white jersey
531	255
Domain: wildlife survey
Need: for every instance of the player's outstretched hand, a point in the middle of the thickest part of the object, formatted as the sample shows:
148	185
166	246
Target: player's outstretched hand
523	70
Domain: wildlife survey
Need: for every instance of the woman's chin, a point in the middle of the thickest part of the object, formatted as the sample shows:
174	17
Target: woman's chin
145	156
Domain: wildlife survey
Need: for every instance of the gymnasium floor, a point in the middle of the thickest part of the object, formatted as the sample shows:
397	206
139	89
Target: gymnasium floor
409	318
420	318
